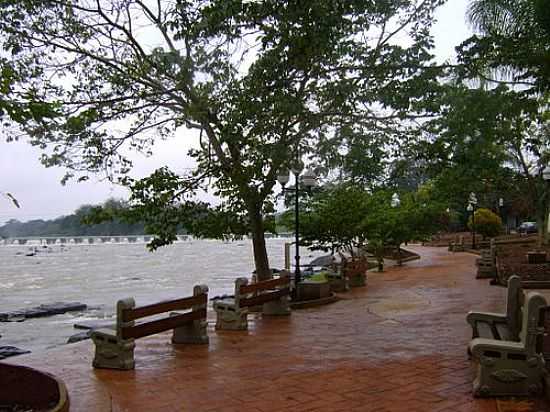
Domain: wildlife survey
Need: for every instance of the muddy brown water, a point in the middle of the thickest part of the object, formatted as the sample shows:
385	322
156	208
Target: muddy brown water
100	274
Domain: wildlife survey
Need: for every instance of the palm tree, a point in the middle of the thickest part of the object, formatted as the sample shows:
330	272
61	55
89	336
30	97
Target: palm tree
513	42
503	17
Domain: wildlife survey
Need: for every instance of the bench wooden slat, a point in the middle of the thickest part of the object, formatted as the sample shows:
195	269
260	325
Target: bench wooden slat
161	325
503	331
265	285
161	307
264	297
484	330
535	284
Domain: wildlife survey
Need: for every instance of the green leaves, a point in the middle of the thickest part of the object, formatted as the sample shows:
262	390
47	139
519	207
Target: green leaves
345	217
485	222
514	43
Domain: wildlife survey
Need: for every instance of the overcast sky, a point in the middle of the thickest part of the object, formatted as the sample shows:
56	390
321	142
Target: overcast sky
43	197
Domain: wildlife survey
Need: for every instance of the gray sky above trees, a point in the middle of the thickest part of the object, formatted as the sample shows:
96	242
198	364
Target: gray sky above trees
43	197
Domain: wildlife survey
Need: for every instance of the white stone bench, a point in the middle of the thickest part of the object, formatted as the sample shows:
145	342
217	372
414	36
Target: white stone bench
509	368
273	295
114	349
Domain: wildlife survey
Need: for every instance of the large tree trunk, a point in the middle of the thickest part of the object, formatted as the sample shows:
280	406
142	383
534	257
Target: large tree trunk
261	261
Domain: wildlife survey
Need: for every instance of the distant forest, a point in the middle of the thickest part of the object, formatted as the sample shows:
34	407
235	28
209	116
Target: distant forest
71	225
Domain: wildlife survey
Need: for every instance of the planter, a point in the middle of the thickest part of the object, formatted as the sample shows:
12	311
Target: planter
308	290
30	390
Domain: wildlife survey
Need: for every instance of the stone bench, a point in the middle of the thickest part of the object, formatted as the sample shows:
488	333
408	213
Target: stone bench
273	295
500	326
510	368
486	263
114	349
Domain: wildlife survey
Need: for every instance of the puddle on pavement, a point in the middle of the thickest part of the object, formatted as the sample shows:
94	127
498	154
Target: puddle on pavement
398	303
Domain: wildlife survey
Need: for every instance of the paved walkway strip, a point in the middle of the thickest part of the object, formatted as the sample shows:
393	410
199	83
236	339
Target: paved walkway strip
398	344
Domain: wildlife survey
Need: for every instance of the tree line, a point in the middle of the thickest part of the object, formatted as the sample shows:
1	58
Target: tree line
73	225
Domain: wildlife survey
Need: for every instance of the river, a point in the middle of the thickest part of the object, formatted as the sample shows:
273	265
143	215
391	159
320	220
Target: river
100	274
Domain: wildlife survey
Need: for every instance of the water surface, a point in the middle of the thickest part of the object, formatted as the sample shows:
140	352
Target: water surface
100	274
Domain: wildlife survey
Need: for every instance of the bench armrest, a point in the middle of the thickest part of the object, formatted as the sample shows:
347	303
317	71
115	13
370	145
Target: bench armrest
104	332
488	317
224	303
480	345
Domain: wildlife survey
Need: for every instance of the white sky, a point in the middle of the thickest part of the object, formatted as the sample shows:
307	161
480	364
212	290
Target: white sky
42	196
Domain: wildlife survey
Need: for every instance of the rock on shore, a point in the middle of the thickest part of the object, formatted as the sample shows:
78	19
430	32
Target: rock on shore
50	309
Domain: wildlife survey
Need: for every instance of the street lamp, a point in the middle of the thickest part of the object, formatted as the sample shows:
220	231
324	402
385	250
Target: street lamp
308	180
501	213
472	202
395	202
546	177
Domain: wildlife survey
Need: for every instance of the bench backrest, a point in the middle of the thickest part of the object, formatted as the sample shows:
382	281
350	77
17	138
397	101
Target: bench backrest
127	313
532	329
514	304
261	292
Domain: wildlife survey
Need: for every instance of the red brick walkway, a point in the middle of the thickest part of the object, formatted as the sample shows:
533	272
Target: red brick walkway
397	345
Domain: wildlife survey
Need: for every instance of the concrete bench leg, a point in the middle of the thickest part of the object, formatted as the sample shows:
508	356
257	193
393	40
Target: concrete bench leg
194	332
277	307
358	280
113	354
227	319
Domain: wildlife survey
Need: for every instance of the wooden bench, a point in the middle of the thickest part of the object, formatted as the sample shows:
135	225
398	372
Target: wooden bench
114	349
273	295
500	326
510	368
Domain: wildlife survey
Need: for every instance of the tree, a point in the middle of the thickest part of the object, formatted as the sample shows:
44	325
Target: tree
333	219
347	217
494	142
259	80
415	218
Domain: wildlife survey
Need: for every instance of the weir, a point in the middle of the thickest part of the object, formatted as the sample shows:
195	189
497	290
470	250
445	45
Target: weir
81	240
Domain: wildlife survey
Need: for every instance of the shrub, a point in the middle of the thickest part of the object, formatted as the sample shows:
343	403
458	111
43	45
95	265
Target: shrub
487	223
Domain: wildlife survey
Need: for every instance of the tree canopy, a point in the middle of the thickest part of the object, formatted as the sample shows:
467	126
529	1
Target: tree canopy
259	81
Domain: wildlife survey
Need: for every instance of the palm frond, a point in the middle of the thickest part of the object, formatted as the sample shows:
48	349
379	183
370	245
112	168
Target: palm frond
501	17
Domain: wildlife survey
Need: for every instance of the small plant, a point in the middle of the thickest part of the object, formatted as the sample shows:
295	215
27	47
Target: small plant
487	223
318	277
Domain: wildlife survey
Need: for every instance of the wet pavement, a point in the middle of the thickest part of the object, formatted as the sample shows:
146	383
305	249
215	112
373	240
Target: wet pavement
398	344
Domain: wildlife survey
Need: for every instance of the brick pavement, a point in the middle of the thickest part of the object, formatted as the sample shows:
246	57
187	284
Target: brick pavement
398	344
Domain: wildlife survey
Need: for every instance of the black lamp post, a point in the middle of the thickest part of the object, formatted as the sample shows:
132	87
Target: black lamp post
396	202
546	177
472	202
501	213
308	180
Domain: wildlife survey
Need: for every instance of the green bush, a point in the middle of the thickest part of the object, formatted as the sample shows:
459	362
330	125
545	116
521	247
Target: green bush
320	277
487	223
